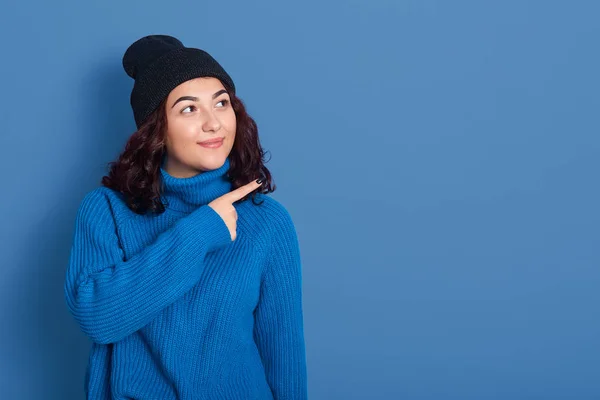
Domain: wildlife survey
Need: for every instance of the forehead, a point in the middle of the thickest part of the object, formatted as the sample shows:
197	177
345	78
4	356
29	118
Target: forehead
204	86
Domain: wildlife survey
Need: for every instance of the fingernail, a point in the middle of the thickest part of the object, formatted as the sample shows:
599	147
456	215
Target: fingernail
260	180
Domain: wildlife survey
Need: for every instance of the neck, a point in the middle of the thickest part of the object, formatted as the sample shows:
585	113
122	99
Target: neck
187	194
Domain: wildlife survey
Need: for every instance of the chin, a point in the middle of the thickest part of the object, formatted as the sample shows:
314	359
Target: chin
212	162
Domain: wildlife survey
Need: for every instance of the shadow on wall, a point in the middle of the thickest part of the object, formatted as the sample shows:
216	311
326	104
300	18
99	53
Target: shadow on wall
58	347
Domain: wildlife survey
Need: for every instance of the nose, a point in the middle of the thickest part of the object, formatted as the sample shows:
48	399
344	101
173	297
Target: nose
212	123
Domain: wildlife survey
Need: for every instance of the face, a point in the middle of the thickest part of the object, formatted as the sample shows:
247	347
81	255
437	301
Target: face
198	110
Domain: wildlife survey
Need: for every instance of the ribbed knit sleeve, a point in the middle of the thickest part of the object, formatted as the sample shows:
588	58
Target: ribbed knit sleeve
279	327
111	297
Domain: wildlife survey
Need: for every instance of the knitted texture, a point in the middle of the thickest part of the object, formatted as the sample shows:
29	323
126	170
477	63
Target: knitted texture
175	309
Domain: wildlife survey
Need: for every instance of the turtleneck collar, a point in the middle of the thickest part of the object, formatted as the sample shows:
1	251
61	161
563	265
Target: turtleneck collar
187	194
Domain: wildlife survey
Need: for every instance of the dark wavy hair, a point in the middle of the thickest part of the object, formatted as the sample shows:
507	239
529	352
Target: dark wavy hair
136	172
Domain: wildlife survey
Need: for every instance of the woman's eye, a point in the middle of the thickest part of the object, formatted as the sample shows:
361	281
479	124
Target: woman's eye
224	101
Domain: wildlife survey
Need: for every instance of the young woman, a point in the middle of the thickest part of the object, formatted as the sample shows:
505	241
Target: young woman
185	274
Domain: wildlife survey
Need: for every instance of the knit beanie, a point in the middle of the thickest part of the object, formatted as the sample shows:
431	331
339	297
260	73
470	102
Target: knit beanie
159	63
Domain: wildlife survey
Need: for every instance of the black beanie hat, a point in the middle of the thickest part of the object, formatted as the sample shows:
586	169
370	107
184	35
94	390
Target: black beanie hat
159	63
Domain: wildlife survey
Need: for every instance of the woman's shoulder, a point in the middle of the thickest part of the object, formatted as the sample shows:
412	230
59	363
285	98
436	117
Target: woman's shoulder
281	235
103	195
100	202
277	216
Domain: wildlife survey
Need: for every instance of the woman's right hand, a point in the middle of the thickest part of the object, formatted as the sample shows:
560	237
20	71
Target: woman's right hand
224	205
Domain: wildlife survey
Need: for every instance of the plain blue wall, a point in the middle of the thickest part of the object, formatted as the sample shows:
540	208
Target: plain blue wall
440	160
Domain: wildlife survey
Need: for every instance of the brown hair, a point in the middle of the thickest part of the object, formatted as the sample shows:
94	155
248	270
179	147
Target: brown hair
136	172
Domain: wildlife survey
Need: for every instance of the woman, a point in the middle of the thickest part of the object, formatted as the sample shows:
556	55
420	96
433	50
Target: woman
188	288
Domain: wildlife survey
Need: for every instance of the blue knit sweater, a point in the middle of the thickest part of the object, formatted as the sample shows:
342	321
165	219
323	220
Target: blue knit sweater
177	310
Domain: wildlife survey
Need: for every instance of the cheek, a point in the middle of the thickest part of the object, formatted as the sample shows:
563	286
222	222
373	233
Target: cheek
179	140
231	123
182	131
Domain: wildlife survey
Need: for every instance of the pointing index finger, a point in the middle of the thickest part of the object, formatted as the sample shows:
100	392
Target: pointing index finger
242	191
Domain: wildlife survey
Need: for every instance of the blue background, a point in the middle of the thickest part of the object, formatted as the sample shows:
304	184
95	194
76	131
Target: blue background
440	160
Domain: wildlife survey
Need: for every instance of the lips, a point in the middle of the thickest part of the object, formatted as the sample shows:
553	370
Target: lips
212	141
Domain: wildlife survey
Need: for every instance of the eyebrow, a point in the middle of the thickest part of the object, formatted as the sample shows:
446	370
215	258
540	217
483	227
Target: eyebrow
193	98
